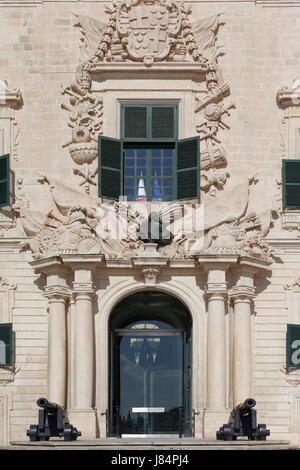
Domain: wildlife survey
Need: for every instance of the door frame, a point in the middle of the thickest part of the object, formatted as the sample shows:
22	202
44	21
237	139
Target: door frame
185	425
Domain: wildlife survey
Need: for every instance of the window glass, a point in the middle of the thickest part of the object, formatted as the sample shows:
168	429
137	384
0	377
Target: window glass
143	171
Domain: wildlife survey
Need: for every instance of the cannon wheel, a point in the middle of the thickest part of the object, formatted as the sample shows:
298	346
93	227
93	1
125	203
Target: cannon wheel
70	433
262	432
225	433
32	433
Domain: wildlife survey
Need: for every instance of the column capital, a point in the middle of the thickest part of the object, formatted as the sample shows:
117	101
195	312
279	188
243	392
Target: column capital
57	293
86	288
242	293
216	289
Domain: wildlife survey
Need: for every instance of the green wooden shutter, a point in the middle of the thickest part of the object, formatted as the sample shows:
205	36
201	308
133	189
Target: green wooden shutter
110	176
188	168
291	184
135	122
6	344
163	122
4	180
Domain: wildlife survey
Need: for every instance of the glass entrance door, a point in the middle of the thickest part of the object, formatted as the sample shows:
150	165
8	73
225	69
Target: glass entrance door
150	367
151	383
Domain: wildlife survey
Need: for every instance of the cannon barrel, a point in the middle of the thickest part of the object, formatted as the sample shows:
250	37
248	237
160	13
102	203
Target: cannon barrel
246	406
49	406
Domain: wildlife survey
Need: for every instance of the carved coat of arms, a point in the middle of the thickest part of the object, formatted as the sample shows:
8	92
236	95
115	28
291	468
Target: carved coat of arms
148	28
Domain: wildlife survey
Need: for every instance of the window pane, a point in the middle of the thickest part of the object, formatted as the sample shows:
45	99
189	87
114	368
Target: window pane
130	161
156	189
141	153
168	162
129	153
129	182
144	174
167	182
156	162
129	171
156	153
168	153
168	171
129	192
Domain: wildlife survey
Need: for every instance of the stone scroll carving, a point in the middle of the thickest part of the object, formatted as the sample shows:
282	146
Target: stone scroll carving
77	223
149	31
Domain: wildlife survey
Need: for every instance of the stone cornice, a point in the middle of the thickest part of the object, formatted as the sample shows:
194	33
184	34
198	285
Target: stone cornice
255	263
207	261
44	263
204	261
186	68
83	258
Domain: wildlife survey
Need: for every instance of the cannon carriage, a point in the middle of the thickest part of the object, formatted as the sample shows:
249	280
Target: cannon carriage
243	423
52	422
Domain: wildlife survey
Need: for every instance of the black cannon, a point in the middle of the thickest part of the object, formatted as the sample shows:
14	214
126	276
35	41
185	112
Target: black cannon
242	422
52	423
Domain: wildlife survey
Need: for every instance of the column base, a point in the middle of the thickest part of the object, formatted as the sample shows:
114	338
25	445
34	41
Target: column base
84	421
213	420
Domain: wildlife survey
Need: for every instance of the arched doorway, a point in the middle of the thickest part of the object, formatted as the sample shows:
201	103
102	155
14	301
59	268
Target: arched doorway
150	367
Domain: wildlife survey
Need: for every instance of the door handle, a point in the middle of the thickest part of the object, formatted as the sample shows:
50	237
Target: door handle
154	409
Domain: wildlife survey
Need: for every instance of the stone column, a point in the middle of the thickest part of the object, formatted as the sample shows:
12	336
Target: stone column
242	294
57	344
216	349
83	414
216	414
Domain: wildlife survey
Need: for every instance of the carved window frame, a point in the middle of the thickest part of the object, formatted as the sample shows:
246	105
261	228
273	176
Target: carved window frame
288	99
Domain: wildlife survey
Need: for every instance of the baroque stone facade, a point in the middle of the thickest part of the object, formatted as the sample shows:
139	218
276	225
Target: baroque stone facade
68	257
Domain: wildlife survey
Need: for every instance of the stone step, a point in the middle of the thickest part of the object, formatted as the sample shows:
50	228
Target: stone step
150	444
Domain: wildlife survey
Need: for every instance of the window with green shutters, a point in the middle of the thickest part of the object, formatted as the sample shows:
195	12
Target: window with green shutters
4	180
6	344
148	162
291	184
